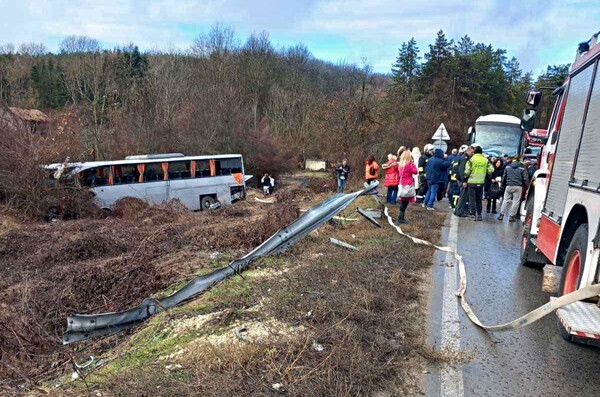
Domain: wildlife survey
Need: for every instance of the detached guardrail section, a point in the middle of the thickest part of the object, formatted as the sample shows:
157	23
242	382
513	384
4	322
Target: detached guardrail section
85	326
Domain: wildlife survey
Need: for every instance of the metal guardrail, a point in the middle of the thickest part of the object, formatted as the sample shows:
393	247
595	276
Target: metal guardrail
85	326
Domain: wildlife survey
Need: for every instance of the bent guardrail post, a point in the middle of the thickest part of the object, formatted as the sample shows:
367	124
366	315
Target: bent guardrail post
368	217
84	326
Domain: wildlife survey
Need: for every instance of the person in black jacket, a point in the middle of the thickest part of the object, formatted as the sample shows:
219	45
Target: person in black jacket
343	170
461	203
514	179
493	192
423	159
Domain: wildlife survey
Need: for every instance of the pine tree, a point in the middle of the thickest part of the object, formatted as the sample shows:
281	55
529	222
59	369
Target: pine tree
46	80
439	52
465	46
554	77
406	69
436	81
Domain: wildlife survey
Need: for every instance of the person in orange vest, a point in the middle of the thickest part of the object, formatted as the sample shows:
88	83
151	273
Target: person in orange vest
371	170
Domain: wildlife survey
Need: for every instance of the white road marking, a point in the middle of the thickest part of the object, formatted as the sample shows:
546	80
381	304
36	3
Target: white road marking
451	383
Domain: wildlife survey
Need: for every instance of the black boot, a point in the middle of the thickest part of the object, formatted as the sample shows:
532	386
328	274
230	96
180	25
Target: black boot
401	218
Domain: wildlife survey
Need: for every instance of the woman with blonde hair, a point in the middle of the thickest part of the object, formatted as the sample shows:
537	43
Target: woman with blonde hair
401	150
406	189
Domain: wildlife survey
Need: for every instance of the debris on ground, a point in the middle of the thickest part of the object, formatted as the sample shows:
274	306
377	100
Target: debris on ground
342	244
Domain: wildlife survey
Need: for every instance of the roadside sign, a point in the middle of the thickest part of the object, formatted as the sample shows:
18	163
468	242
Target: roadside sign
439	144
441	133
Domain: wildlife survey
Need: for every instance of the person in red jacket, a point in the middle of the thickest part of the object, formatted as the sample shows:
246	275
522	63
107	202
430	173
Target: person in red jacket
406	189
391	178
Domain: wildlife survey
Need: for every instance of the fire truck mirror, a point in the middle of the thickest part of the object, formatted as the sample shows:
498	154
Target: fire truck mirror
528	120
534	98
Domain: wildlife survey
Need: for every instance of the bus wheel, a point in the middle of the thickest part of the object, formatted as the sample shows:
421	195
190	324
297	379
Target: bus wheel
573	268
206	202
529	256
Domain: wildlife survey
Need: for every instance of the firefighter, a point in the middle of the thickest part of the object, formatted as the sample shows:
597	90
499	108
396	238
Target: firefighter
460	204
427	154
477	169
454	159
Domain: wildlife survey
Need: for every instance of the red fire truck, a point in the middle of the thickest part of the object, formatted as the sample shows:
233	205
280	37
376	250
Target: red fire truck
562	207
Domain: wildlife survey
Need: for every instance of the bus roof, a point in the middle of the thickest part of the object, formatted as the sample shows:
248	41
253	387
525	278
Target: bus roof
498	118
80	166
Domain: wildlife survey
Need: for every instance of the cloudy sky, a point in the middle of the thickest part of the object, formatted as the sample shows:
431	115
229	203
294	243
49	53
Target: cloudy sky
537	32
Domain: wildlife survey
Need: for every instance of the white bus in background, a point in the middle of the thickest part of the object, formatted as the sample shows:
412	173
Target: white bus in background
497	134
198	182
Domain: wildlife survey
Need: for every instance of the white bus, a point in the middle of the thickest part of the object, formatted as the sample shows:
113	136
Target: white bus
497	134
198	182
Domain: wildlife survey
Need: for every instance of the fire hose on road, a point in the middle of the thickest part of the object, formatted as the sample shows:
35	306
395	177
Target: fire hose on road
529	318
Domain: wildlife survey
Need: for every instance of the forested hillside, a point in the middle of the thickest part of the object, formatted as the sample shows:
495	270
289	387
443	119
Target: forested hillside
277	106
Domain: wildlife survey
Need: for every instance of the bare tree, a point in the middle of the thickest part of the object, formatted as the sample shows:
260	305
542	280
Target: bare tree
86	81
33	49
7	49
77	44
258	60
219	41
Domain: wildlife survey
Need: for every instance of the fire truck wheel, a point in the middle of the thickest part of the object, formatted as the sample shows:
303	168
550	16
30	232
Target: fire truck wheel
572	269
529	257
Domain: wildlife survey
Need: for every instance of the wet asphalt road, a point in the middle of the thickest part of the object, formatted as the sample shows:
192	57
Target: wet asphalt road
532	361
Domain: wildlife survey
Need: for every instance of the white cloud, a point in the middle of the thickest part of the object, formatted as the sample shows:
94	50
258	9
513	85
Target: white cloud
534	31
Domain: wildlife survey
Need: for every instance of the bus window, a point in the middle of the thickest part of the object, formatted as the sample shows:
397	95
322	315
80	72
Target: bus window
229	166
94	177
126	174
179	170
202	169
153	172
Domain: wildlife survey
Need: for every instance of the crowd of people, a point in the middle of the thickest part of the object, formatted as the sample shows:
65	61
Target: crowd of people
479	177
399	178
465	176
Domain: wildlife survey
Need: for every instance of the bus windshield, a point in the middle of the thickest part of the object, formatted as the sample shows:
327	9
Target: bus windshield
498	139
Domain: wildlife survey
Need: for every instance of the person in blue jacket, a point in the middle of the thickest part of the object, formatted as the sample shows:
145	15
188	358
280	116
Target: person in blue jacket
437	171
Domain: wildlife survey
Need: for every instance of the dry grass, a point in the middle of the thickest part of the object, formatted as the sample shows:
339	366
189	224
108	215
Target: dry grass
364	309
318	320
51	270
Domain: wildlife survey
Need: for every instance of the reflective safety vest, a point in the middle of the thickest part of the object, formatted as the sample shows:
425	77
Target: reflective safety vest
477	168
